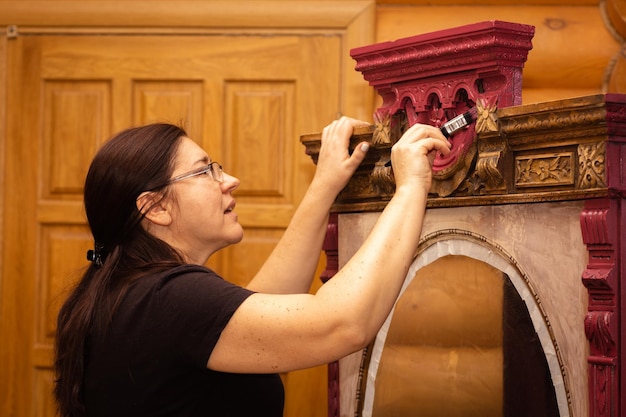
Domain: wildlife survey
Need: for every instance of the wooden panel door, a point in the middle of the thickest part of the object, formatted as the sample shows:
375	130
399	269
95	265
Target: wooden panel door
245	99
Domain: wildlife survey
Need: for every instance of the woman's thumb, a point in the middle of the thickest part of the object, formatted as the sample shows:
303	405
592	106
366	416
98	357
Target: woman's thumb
358	155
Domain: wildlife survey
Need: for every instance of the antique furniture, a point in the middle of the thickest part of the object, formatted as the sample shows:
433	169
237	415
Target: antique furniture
513	304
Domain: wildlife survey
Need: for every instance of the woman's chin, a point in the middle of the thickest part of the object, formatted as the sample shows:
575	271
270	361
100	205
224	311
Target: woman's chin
238	236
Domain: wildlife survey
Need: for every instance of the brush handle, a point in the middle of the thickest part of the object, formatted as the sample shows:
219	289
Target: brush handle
456	124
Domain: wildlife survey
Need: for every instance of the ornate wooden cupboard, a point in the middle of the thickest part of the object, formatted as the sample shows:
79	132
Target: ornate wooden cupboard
513	303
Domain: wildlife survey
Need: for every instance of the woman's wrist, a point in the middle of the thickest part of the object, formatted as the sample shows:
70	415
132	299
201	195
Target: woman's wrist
412	190
325	191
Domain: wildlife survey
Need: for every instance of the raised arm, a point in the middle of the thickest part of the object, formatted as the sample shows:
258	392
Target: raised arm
291	266
278	333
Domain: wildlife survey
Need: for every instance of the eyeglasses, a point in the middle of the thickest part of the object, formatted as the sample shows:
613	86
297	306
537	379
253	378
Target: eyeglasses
214	169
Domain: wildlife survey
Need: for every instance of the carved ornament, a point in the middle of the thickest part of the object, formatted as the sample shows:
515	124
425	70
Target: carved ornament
552	151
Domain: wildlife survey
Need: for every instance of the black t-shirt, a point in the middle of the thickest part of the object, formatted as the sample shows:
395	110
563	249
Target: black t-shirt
153	360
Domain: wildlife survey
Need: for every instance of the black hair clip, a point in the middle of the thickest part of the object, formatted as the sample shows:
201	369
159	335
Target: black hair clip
95	255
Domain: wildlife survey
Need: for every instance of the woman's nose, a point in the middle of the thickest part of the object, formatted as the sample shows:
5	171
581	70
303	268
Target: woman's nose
230	183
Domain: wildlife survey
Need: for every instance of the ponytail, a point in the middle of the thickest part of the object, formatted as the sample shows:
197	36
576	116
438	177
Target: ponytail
133	161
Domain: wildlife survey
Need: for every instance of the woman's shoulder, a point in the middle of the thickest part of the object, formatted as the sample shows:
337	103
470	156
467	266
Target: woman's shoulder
180	275
187	270
174	276
193	278
194	287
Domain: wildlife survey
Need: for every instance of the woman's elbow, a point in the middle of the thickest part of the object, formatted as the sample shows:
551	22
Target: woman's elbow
353	337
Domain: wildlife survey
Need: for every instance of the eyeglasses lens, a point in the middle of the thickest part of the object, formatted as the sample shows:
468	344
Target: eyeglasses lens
216	171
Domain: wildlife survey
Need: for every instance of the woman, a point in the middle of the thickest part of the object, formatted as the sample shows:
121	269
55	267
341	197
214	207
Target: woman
149	331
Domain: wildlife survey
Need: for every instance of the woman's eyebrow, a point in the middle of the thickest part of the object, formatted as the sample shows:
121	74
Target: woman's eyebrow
204	160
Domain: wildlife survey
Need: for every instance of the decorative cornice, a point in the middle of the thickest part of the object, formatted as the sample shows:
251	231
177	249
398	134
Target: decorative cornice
531	153
474	46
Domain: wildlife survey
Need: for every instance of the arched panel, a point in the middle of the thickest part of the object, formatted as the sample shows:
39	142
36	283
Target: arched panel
460	351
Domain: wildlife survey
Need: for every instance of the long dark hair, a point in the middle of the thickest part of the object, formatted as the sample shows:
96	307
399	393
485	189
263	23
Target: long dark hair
133	161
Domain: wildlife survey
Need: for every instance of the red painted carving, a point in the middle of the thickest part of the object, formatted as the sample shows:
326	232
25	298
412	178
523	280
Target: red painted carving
333	389
603	225
331	248
616	146
434	77
599	225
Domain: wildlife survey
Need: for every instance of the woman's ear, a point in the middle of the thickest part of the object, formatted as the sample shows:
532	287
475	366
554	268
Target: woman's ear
154	208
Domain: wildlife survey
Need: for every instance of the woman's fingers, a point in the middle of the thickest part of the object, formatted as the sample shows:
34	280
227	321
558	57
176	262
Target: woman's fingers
335	163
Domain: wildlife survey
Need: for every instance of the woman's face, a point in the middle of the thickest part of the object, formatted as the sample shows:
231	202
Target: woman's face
203	217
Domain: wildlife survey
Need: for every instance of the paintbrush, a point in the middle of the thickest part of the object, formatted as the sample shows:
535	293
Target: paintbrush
452	126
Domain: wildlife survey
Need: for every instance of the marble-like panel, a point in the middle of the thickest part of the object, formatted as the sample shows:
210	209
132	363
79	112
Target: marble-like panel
543	241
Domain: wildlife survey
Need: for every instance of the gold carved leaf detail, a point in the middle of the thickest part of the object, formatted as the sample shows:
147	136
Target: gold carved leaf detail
382	128
542	170
486	118
591	165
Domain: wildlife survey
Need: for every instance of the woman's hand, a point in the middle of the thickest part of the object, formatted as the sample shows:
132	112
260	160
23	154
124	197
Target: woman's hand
413	155
335	165
291	266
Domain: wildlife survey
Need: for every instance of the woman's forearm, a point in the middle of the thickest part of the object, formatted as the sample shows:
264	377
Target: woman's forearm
368	285
291	266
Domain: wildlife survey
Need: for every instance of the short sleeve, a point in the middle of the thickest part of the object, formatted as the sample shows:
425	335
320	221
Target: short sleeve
195	305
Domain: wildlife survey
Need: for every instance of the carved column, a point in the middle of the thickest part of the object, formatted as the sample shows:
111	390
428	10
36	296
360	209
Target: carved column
603	224
331	248
599	224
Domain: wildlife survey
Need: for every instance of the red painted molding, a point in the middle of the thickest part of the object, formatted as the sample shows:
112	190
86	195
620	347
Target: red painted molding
331	248
434	77
603	226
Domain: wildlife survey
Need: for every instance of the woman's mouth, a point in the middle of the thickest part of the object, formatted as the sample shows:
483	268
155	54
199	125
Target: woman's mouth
230	208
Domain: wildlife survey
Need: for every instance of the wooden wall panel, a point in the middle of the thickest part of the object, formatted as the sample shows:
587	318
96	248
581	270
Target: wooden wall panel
69	142
350	19
245	99
260	130
248	255
43	405
56	70
169	101
60	268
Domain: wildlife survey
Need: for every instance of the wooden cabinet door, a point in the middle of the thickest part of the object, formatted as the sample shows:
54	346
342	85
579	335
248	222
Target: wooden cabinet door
245	99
